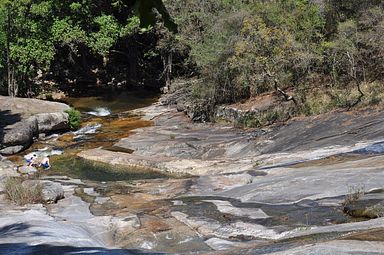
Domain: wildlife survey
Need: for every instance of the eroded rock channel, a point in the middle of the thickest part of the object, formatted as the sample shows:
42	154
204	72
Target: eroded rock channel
149	181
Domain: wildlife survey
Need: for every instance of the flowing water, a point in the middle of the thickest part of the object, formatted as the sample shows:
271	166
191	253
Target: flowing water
105	119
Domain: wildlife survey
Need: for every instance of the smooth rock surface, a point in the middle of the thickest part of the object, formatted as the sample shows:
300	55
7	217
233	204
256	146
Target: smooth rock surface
285	185
26	107
339	247
27	170
51	191
17	136
227	207
174	144
55	121
22	119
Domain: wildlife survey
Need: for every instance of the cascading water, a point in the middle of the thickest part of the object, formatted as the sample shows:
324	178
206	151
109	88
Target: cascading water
88	129
100	112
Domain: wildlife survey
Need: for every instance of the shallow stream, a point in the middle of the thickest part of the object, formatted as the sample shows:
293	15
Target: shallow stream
105	120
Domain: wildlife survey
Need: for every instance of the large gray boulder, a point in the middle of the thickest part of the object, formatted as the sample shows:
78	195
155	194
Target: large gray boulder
48	122
26	107
22	119
18	136
13	149
52	191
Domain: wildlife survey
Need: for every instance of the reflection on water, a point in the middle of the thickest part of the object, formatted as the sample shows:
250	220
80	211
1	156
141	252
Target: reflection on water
286	217
376	148
113	101
105	120
76	167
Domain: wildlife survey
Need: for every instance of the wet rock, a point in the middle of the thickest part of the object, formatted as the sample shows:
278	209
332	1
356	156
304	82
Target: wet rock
48	122
51	191
220	244
231	230
227	207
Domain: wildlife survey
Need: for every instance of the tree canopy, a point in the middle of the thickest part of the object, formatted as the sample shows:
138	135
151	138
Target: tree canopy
34	33
237	49
246	48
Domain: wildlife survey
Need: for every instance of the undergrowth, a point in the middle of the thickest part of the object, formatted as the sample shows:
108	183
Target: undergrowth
22	194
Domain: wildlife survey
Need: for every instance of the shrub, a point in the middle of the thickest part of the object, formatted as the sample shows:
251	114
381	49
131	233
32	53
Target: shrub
74	118
355	193
20	194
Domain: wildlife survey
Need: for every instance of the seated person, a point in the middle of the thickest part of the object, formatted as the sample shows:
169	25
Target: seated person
31	160
45	163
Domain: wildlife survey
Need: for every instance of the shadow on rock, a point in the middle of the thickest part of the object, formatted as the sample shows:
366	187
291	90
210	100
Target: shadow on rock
7	118
16	230
23	248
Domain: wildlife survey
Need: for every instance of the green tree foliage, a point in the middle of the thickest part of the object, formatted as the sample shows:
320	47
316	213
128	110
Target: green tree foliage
74	118
245	48
34	33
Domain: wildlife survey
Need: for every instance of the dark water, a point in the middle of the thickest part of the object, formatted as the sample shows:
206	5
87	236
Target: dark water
114	100
303	214
376	148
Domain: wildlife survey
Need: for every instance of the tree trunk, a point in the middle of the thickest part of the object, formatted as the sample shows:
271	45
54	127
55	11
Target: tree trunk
168	73
353	74
132	61
11	90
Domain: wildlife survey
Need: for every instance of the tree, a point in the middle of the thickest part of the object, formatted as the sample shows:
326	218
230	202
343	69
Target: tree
33	32
28	46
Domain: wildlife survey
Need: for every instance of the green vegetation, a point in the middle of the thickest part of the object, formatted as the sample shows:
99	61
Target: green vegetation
318	55
22	194
326	54
98	171
44	42
74	117
355	193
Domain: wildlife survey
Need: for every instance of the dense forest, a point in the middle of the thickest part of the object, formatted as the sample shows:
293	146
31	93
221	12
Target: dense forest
46	44
317	54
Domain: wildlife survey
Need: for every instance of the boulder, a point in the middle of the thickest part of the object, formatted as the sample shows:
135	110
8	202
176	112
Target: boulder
52	191
27	170
22	119
13	149
7	169
48	122
18	136
26	107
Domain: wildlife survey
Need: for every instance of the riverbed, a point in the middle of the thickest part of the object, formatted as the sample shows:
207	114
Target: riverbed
170	185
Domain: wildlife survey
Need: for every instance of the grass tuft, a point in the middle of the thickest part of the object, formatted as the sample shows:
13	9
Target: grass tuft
21	194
